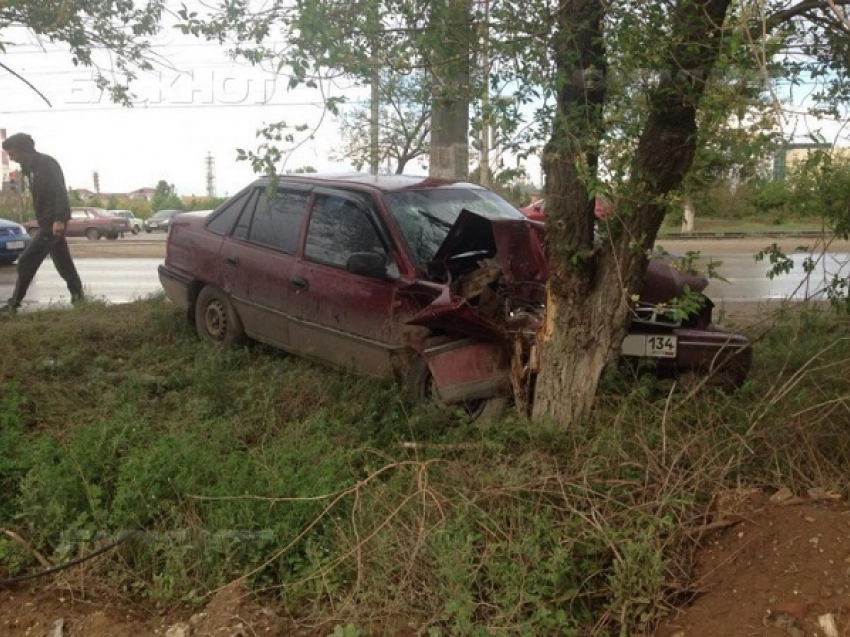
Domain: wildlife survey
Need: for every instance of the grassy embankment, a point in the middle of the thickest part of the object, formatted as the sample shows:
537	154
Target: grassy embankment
250	462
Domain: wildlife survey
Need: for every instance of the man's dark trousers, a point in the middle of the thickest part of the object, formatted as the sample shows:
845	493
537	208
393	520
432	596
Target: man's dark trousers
44	243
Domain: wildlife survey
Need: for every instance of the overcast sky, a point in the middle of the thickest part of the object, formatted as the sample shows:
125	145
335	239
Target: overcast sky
206	105
198	104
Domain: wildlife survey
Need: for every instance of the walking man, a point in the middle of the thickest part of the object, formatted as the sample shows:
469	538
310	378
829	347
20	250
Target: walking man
52	211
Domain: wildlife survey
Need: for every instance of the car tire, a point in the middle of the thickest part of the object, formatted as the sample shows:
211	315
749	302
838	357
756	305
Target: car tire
419	387
135	230
93	234
148	230
215	319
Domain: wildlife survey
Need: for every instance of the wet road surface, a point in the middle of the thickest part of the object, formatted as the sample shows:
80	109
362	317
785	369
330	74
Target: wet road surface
114	280
126	270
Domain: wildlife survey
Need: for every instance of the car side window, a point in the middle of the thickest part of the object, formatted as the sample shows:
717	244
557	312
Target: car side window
224	219
78	214
339	228
240	230
277	223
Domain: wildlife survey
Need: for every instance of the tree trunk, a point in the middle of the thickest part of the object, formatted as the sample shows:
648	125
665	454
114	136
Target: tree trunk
590	286
451	42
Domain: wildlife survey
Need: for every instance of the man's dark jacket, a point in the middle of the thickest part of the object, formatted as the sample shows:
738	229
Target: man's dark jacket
49	195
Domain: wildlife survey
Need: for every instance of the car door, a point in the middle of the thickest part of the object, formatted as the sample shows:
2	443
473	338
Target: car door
342	314
257	259
78	222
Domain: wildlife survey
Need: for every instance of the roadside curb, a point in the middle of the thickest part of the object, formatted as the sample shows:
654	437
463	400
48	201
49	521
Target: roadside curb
801	234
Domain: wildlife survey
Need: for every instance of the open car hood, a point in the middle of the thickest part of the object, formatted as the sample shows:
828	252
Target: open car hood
518	244
481	249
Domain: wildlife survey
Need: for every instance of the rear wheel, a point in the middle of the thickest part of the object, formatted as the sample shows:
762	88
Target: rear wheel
420	386
215	319
92	234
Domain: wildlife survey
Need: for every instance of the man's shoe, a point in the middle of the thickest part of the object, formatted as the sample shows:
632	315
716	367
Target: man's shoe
77	298
10	309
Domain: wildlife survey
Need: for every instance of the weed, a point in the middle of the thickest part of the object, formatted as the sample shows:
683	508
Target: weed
328	491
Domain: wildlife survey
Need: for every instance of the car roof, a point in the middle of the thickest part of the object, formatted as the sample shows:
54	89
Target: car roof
381	182
6	223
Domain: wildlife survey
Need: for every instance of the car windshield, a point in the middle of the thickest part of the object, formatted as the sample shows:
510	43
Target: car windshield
164	214
424	217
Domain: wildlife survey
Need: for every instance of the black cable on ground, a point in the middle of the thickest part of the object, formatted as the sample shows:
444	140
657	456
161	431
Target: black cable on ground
79	560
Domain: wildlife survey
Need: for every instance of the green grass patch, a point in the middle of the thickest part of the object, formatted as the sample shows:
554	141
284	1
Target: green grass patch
330	495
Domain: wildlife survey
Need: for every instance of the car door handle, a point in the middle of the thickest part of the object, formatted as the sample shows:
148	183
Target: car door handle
231	260
299	283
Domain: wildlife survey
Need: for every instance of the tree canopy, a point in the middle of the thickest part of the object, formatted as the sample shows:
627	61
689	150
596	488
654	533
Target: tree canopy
109	36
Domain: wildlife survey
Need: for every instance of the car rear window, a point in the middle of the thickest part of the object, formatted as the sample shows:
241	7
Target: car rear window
277	224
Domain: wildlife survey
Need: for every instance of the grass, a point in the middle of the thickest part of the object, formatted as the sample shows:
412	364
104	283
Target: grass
753	225
250	463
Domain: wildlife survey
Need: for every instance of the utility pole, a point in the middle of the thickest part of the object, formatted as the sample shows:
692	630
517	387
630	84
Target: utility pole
96	181
375	97
210	175
484	160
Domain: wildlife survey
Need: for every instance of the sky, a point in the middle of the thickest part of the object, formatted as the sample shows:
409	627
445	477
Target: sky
199	105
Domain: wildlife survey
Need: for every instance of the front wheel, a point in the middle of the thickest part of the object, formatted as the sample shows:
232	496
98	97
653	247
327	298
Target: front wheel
135	230
420	386
215	319
93	234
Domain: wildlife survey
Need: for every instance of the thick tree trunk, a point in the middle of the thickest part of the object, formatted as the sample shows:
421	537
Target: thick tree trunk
451	38
590	287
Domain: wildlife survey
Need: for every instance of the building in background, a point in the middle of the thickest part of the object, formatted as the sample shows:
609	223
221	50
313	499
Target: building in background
794	154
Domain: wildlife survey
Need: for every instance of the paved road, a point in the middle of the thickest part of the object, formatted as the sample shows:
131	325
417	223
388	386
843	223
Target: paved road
126	269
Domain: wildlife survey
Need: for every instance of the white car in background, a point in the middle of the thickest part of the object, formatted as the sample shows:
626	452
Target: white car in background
135	223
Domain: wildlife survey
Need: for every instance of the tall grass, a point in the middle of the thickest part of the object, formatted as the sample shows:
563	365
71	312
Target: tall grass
327	493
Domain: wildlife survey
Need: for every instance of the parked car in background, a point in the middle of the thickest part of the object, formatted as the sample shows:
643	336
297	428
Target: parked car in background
13	240
439	284
536	211
92	223
133	220
160	221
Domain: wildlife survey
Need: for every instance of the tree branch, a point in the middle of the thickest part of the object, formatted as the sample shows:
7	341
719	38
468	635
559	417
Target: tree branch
28	83
780	17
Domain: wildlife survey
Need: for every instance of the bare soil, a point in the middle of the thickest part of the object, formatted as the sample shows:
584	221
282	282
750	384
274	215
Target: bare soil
779	567
779	564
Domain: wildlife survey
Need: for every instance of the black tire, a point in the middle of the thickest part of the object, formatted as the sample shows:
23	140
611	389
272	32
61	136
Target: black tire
135	230
419	387
148	230
215	319
92	234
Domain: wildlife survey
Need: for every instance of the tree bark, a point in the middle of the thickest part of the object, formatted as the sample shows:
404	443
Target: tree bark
590	286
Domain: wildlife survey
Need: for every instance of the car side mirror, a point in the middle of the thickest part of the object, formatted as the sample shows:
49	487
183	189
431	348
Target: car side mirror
368	264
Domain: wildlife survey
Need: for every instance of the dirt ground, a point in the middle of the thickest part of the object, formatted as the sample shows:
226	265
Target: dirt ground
777	566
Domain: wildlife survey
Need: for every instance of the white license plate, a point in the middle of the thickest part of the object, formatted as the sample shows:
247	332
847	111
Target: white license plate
14	245
654	345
